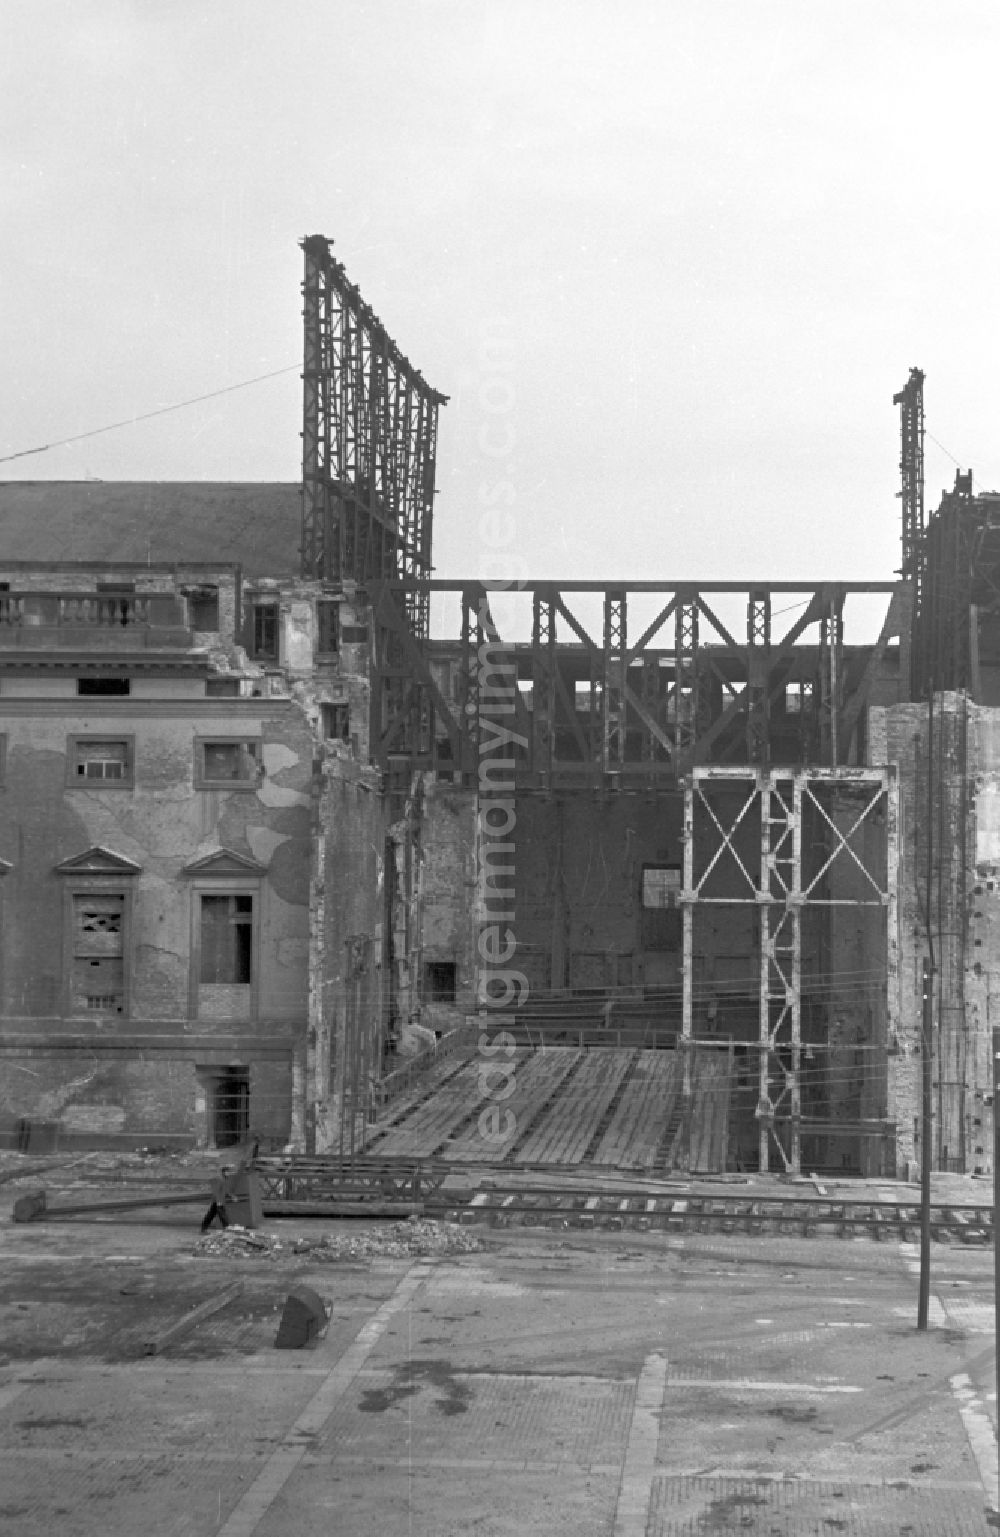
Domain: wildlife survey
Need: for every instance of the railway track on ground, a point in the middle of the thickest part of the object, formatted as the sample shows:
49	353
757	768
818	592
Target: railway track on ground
643	1212
318	1186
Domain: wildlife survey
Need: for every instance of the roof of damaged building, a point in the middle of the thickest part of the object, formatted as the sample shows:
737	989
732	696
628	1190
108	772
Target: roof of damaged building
255	524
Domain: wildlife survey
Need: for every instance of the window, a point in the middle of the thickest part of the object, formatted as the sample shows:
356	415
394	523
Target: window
660	885
798	697
227	907
660	920
264	631
227	1097
439	981
222	688
101	762
226	940
227	763
327	627
203	608
336	720
103	686
97	982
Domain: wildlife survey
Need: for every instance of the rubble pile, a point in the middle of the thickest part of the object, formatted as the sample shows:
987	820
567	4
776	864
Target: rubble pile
237	1242
396	1240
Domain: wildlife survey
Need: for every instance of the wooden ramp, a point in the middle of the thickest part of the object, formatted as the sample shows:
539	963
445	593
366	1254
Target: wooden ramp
711	1087
644	1113
419	1131
566	1131
600	1106
535	1080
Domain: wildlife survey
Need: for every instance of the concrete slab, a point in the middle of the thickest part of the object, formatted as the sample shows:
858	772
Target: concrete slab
600	1384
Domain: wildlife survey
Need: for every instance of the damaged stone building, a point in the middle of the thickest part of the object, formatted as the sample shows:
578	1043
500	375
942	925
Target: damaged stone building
300	840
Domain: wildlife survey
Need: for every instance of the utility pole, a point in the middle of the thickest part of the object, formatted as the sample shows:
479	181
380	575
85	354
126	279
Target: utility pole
996	1208
926	1042
927	1015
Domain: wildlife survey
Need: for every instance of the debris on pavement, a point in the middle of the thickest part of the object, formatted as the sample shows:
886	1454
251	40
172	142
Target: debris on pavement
237	1242
383	1240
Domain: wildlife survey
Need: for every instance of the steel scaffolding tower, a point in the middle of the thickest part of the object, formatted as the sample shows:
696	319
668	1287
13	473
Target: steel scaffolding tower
910	400
369	441
788	843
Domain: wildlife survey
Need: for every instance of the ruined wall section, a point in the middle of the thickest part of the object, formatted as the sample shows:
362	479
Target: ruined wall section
324	666
578	878
848	990
582	928
444	959
347	1034
132	1068
982	980
949	769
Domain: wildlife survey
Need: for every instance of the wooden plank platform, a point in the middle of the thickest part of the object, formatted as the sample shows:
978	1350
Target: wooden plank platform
432	1121
565	1132
536	1080
642	1114
561	1096
427	1085
711	1081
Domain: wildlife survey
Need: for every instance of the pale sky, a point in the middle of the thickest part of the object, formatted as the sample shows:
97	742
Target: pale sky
717	236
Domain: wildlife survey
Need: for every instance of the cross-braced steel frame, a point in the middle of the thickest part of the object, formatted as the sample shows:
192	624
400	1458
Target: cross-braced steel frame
635	704
369	442
743	846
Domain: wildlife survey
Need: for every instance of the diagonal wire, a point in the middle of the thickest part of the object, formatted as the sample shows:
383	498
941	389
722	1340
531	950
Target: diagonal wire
130	421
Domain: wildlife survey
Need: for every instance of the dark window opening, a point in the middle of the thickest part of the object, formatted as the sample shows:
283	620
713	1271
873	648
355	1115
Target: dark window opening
227	940
203	608
328	627
231	1106
439	981
336	721
265	631
222	688
103	686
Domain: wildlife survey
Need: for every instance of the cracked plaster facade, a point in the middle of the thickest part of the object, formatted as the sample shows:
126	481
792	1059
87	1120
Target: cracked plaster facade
140	1061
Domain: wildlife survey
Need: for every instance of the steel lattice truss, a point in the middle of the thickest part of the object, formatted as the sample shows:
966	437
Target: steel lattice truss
910	400
744	846
631	703
369	441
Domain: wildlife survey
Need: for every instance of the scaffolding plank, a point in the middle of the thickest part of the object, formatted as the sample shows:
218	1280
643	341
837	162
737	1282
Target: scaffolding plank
565	1131
535	1079
431	1122
710	1093
643	1111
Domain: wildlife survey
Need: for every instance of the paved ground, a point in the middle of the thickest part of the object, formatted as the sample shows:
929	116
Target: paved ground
633	1385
